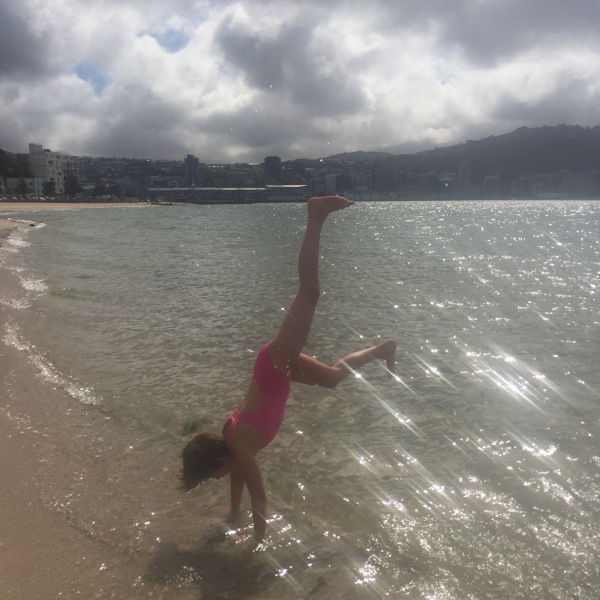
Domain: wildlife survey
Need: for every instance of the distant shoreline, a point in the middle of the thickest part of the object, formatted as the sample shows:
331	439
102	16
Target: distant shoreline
29	206
6	224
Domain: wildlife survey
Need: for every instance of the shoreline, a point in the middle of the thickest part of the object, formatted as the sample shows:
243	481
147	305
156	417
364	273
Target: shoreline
35	206
5	229
42	554
49	443
7	223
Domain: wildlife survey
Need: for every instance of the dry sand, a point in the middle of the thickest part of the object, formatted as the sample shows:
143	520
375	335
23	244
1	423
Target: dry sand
28	206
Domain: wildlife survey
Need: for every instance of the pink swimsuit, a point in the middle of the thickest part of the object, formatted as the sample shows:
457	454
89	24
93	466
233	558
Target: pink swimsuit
275	388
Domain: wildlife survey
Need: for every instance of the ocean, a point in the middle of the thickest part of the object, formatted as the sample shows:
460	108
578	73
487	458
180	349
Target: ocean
474	475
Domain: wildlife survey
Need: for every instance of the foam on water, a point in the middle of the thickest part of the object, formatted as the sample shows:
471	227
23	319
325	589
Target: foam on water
18	242
9	259
16	303
34	285
45	369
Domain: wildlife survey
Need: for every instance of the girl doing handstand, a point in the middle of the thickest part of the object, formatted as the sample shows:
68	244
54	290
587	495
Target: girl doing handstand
256	421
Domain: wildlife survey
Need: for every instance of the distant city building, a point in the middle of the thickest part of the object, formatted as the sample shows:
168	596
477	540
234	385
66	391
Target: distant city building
272	169
192	170
330	184
382	178
491	186
49	173
578	185
524	187
504	184
544	184
463	177
497	186
317	187
25	185
361	177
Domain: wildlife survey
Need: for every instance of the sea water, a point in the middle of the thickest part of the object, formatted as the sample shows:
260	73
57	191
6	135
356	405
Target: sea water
473	474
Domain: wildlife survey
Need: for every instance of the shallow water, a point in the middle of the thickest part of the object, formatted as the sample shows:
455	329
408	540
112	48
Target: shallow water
477	475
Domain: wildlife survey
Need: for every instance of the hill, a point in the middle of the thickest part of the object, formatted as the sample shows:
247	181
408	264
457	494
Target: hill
361	155
525	151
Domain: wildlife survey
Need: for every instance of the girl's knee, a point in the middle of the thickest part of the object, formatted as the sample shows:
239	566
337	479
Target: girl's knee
337	373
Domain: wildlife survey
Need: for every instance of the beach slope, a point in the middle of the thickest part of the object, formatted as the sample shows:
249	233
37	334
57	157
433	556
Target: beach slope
42	553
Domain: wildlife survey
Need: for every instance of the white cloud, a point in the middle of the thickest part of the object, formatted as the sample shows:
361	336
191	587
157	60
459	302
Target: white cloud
233	81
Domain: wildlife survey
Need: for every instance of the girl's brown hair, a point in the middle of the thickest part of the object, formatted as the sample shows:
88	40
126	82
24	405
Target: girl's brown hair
200	458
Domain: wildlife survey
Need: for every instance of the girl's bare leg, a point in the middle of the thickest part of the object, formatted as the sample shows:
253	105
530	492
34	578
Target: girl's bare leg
287	345
310	371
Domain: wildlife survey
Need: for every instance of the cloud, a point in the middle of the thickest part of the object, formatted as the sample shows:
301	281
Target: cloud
21	51
236	81
488	33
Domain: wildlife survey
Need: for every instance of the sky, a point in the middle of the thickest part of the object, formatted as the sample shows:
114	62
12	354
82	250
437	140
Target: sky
237	81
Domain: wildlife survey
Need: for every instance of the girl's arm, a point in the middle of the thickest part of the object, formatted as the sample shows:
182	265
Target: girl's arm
250	472
236	482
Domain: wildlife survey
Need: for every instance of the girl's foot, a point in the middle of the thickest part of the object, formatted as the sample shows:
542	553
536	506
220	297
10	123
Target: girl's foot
320	206
387	351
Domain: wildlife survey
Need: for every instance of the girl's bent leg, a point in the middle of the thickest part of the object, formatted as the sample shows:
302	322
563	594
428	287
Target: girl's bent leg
310	371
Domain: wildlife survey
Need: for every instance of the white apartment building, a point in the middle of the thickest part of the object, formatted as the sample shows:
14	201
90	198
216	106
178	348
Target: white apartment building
33	185
47	166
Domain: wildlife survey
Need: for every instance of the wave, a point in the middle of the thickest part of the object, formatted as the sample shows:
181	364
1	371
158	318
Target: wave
46	369
33	285
34	224
16	303
17	242
14	243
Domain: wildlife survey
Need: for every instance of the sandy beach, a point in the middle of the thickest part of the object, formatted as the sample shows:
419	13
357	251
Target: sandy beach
27	206
37	206
5	227
42	554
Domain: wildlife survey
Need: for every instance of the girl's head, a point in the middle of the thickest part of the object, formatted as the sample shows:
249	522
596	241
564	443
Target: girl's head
205	456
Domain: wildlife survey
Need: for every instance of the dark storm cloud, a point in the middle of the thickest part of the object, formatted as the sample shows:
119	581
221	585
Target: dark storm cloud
143	121
261	60
290	60
571	102
22	53
486	32
267	131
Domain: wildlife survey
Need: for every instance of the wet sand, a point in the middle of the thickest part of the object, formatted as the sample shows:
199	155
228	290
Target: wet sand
43	554
5	227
